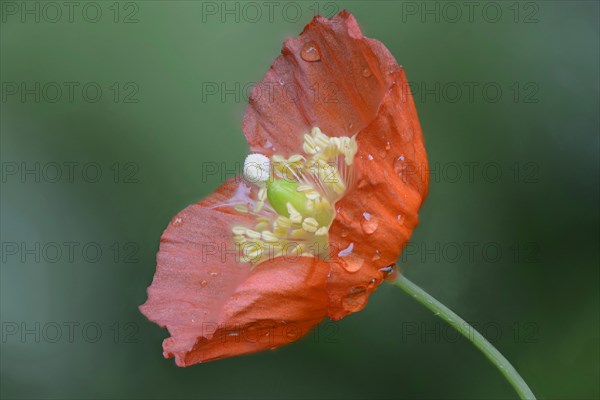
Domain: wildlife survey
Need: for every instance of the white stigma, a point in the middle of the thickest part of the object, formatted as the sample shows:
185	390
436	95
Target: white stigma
257	168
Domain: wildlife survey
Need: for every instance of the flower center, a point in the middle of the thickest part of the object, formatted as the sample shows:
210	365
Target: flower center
296	197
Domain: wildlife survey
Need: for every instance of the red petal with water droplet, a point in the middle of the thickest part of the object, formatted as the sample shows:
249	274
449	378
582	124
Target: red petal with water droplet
345	84
213	305
356	86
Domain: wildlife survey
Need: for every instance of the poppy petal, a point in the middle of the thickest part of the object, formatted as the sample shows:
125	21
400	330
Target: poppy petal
377	216
345	83
192	282
340	92
213	304
281	301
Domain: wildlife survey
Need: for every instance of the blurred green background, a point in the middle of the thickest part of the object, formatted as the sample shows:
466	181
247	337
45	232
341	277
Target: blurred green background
502	87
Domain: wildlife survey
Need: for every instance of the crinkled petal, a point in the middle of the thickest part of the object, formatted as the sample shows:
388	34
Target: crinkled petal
279	302
377	216
356	86
212	303
340	93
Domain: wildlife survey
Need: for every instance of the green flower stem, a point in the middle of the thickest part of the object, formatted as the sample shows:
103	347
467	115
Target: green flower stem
509	372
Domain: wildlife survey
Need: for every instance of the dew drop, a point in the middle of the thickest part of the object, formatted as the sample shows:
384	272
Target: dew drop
399	166
362	183
366	72
310	52
388	270
388	145
369	223
347	251
376	256
370	157
177	221
372	282
203	283
214	273
350	261
356	299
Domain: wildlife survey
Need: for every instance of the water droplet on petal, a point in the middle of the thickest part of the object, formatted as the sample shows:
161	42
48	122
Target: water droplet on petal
372	283
388	146
366	72
399	166
376	256
203	283
350	261
177	221
310	52
400	219
214	273
387	270
356	299
347	251
369	223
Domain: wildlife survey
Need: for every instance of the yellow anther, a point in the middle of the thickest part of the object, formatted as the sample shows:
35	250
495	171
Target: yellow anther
295	216
252	234
239	239
298	233
312	195
298	249
269	237
322	231
262	226
241	208
310	206
310	224
309	145
322	142
258	206
321	204
283	222
238	230
304	188
296	158
262	194
280	232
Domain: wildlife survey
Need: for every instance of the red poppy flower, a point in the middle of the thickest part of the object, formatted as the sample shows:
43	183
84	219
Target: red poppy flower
328	201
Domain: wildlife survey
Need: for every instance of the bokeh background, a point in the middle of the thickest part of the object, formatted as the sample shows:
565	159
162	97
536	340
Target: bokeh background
503	87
